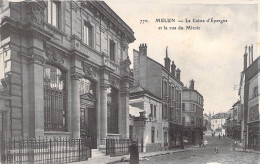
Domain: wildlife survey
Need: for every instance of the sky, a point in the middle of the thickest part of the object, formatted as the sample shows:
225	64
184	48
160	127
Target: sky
212	56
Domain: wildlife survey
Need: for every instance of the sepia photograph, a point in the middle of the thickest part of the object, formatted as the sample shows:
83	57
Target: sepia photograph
133	81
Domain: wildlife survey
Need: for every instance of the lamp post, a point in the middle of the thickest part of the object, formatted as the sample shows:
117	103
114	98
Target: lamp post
245	139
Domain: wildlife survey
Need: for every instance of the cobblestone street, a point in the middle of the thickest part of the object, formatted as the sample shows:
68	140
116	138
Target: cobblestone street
207	155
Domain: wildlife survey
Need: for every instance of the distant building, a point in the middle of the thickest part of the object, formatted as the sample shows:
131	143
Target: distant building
192	110
217	123
233	123
251	100
163	82
206	121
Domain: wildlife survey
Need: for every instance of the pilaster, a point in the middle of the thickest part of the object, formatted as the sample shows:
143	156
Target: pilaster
36	101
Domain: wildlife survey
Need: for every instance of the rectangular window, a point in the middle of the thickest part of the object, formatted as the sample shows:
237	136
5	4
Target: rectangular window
152	134
193	107
170	92
253	113
192	121
154	111
151	107
162	89
255	92
164	112
173	93
53	13
87	34
183	106
165	88
112	46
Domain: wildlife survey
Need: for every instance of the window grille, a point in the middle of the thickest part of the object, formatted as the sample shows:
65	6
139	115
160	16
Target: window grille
54	99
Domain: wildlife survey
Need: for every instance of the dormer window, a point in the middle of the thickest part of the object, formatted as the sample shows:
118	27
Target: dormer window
53	13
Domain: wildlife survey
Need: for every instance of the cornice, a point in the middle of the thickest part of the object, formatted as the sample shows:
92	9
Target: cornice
102	10
28	30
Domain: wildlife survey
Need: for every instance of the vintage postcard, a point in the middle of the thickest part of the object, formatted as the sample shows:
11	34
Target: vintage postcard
131	81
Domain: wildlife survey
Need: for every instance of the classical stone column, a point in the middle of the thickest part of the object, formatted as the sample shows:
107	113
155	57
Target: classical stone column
103	111
123	115
75	104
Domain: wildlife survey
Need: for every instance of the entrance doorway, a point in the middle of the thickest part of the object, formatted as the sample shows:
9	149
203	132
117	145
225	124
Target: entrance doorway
88	128
88	117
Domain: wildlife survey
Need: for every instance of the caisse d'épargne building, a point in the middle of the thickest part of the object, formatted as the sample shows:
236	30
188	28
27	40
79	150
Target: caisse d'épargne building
67	67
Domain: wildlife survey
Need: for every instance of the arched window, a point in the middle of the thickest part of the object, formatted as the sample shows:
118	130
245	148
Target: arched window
54	99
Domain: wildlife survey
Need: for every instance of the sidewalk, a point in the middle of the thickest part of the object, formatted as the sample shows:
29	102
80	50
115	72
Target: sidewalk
241	149
108	159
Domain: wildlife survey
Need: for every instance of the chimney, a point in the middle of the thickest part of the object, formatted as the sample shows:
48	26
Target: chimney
192	84
173	67
167	61
252	56
178	74
143	49
245	59
249	55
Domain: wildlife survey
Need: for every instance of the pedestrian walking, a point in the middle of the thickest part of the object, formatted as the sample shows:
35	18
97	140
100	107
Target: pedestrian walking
134	154
219	136
216	149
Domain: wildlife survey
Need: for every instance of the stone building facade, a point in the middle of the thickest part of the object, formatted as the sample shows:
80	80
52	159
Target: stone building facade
251	99
192	109
233	123
163	82
217	123
147	126
68	69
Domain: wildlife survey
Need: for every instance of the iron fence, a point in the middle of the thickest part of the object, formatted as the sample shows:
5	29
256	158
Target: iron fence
117	147
45	150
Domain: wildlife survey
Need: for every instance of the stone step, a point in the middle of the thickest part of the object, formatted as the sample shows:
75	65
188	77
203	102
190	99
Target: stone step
96	153
102	148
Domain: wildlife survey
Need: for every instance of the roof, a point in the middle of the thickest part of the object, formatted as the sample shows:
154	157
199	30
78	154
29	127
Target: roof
134	111
137	89
113	17
165	70
194	90
238	102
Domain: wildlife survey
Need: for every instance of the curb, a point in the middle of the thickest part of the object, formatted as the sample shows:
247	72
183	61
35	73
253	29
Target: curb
153	155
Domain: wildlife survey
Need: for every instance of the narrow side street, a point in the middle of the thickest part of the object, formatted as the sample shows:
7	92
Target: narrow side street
207	154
